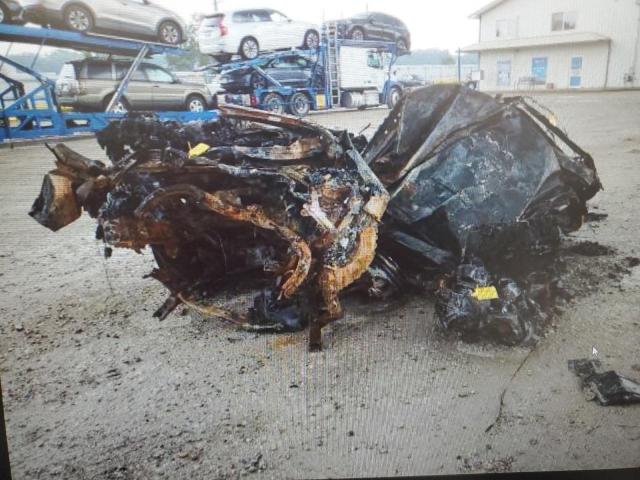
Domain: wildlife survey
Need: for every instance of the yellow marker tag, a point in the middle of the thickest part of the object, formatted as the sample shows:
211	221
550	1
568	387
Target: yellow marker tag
485	293
199	150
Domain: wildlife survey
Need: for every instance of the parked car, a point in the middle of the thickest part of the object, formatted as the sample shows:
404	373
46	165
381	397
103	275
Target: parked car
249	32
289	70
137	18
375	26
89	84
10	11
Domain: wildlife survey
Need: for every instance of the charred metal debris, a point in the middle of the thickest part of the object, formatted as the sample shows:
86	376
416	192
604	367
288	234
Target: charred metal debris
457	194
607	388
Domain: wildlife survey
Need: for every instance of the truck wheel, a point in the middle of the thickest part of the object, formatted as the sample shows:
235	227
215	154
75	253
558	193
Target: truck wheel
299	104
195	103
249	48
394	96
347	100
357	34
273	102
78	18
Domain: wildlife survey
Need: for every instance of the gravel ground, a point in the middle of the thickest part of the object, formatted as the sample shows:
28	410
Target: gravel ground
95	388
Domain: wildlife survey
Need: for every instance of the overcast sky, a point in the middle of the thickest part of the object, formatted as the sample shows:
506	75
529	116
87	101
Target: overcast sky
433	23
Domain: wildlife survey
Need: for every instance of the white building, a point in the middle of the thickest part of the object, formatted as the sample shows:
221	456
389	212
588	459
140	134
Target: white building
558	44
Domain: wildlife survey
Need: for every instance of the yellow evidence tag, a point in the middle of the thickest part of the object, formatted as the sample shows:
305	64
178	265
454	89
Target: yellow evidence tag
485	293
199	150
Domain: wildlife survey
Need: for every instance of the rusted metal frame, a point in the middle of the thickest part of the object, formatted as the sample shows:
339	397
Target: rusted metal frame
331	147
252	214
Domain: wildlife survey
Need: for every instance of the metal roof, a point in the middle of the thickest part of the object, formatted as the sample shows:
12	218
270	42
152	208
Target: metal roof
558	39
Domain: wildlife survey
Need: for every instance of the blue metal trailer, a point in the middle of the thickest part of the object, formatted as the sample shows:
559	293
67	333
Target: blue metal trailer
35	113
325	89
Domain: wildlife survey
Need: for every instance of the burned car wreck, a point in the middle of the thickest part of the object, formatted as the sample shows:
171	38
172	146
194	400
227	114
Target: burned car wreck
457	194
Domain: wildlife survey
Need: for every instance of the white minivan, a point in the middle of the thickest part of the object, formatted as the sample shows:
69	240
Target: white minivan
249	32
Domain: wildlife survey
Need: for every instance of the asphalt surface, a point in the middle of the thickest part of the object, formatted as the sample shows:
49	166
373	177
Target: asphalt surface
96	388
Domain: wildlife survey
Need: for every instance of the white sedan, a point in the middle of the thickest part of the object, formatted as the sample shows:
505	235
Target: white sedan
249	32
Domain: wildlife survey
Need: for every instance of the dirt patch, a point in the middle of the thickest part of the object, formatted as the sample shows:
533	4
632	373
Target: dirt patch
590	249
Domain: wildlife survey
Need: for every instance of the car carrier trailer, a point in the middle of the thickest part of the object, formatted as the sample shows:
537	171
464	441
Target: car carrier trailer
35	113
346	73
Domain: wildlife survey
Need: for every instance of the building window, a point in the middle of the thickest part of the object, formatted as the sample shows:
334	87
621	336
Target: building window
563	21
504	73
539	69
505	28
576	63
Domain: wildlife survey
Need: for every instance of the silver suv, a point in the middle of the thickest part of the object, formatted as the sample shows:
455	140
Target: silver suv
122	17
89	84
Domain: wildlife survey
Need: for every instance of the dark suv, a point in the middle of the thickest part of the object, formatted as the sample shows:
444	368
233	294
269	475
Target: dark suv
289	70
89	84
375	26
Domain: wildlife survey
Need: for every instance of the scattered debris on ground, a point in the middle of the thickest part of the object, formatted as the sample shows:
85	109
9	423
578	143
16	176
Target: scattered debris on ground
608	388
478	191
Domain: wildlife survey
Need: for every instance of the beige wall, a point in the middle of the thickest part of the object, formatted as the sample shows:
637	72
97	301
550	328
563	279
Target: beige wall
616	19
594	61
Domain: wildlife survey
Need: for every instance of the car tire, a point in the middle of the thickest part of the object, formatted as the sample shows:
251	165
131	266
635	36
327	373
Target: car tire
78	18
257	81
273	102
170	33
394	96
311	40
249	48
121	107
5	15
401	45
196	103
299	104
357	34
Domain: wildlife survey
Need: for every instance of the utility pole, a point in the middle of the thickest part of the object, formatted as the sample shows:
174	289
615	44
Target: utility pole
459	66
215	6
